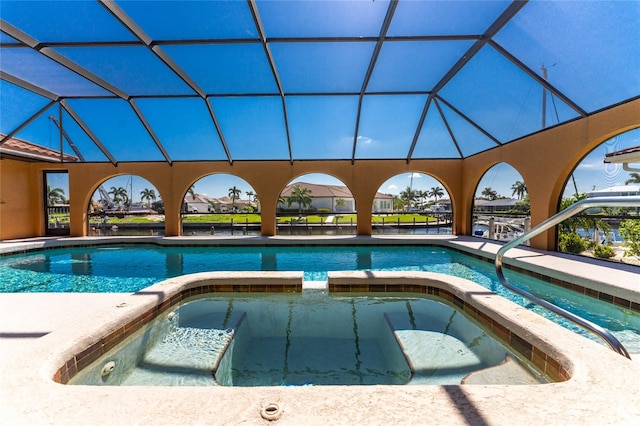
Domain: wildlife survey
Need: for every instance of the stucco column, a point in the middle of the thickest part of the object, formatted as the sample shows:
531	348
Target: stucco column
77	220
172	216
462	208
268	218
79	194
543	206
364	224
364	203
267	184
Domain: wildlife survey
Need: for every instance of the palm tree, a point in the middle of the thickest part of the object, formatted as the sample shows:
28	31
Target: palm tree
633	178
340	202
234	194
55	195
519	189
301	196
436	192
489	194
192	191
422	195
408	195
398	203
119	195
250	195
585	222
149	195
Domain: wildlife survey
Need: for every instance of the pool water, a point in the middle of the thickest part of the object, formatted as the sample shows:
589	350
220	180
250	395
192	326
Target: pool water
129	268
301	340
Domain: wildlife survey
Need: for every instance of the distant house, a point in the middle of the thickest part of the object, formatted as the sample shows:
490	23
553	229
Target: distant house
197	203
327	196
382	203
200	203
491	206
225	204
615	191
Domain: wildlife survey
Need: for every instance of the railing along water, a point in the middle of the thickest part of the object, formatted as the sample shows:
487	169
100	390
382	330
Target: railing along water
626	201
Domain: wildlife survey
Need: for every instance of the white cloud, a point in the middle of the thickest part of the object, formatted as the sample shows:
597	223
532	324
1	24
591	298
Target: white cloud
392	186
415	175
364	139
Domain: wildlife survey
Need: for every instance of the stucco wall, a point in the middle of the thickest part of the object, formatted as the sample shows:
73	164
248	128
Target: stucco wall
545	161
266	178
20	200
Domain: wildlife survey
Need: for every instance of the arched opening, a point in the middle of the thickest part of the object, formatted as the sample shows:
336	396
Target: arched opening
316	204
501	207
126	205
412	203
220	204
607	232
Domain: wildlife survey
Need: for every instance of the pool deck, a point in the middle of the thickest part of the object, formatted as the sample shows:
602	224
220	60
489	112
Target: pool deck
603	389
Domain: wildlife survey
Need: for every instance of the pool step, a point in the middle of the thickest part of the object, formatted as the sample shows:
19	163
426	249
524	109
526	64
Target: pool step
315	285
436	358
510	371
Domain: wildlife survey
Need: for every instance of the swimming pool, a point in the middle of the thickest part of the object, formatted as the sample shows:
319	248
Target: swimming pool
129	268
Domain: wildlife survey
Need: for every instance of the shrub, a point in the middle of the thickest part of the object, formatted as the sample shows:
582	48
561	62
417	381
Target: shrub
603	251
572	243
630	231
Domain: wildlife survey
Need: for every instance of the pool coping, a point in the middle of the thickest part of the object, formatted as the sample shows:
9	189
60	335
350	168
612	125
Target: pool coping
602	387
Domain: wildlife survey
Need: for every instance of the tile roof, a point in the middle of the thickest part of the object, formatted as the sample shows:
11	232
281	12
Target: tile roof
628	155
22	148
318	190
633	149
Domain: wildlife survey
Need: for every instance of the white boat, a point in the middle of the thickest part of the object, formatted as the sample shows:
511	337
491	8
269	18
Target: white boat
503	231
437	208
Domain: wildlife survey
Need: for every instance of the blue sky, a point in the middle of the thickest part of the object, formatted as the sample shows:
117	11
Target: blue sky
592	173
218	185
590	50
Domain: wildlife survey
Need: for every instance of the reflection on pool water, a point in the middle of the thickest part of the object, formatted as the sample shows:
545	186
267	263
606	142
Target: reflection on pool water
308	339
129	268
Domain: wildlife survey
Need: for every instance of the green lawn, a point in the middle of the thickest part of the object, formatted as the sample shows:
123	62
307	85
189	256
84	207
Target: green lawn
222	218
256	218
404	218
113	219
